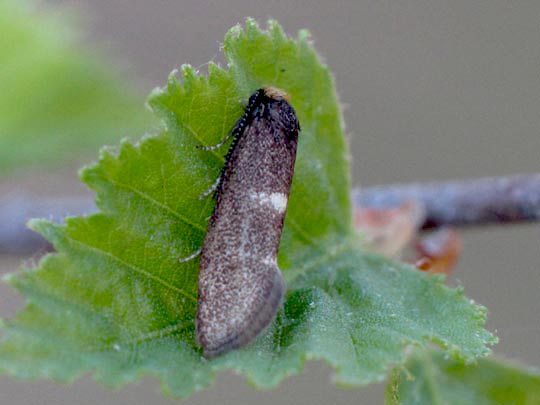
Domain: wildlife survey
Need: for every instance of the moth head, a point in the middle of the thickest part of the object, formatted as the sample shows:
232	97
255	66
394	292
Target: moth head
276	94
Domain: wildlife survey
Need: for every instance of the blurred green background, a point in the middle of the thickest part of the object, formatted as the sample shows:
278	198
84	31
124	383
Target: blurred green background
431	90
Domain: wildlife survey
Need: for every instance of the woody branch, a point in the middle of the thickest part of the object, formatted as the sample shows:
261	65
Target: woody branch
477	202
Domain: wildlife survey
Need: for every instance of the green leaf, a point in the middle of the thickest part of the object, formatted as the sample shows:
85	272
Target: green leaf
116	301
429	377
58	102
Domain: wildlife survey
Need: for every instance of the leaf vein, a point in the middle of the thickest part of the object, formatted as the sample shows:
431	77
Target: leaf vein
135	268
159	204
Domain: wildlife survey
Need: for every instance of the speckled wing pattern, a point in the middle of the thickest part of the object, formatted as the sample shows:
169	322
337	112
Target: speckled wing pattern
240	285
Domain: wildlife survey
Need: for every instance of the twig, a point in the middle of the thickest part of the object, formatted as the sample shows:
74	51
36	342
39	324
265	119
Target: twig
478	202
456	203
17	208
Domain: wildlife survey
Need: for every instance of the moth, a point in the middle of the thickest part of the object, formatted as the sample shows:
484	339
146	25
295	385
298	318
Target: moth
240	285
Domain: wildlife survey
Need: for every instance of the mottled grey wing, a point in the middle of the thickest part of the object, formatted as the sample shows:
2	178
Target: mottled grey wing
230	317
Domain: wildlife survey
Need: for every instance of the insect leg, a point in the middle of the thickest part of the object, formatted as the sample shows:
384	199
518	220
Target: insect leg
217	146
212	188
190	257
237	129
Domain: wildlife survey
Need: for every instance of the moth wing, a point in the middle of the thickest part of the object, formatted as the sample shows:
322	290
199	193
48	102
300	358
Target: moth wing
245	309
